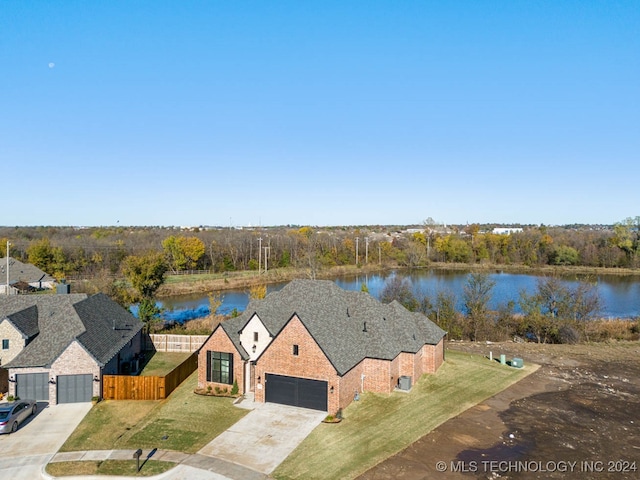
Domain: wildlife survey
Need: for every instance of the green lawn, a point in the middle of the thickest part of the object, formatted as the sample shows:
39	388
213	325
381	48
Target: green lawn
188	421
118	468
379	426
161	363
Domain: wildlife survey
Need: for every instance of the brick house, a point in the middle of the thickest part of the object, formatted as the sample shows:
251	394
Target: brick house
57	347
315	345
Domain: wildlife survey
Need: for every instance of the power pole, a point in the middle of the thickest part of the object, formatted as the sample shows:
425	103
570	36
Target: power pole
357	251
366	250
259	255
266	249
8	245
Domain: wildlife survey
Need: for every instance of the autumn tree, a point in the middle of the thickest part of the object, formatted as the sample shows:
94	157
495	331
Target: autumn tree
257	292
564	255
183	253
627	238
442	310
399	289
476	297
556	310
47	258
146	274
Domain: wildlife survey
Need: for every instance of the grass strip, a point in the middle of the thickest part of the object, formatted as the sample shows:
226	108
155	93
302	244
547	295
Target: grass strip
162	363
379	426
108	467
184	422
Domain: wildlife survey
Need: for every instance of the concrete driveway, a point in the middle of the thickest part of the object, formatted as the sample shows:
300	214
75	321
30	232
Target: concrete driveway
264	437
25	452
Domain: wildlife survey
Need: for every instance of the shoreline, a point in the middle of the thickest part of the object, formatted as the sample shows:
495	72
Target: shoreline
212	282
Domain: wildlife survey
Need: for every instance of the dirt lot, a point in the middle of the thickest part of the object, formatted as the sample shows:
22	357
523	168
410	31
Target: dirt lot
578	416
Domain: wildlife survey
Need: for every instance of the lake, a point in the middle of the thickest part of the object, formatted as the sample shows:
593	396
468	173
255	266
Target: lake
620	295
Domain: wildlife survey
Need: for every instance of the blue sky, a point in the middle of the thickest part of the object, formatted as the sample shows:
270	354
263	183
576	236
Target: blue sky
319	113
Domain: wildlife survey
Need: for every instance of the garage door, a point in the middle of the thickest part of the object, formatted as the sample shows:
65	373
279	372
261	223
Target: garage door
32	386
295	391
75	388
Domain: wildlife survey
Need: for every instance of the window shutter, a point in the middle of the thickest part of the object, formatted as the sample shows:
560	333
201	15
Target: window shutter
209	352
231	369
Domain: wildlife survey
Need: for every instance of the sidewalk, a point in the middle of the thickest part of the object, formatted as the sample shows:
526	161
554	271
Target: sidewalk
208	467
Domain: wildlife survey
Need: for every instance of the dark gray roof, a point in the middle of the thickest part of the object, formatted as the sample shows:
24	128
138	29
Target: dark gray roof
26	321
336	319
65	318
19	271
108	326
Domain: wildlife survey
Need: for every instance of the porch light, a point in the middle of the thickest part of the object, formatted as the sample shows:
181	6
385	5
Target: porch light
259	378
12	379
52	381
95	378
253	349
331	389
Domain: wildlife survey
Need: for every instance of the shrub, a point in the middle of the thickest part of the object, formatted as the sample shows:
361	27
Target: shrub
218	391
234	389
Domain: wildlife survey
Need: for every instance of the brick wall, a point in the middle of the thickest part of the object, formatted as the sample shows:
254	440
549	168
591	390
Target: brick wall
310	362
433	356
16	342
73	361
220	342
349	385
377	375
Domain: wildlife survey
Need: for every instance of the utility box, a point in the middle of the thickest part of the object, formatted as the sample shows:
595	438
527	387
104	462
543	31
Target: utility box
63	289
404	383
503	359
517	363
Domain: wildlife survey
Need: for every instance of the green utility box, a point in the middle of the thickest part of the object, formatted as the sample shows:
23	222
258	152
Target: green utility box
517	363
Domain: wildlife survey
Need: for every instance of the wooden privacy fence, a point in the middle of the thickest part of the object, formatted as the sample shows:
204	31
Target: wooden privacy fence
173	343
124	387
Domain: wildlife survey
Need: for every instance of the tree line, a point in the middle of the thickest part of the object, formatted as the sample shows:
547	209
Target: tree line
553	313
66	252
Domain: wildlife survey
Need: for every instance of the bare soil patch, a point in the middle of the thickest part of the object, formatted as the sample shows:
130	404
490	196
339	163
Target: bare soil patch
578	416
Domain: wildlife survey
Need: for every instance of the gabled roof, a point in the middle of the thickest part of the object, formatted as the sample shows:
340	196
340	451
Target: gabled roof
24	272
25	321
347	325
98	323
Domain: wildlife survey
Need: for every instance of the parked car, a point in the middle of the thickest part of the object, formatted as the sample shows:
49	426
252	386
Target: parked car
13	414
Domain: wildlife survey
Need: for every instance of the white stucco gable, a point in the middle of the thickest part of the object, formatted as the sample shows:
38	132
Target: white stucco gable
255	334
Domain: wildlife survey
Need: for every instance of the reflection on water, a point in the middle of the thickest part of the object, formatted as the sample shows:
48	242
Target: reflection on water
620	295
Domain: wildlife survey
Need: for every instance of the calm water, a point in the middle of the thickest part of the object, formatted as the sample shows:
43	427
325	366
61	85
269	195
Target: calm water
620	296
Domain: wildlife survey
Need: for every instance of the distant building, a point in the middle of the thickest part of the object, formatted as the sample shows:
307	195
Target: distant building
23	274
506	230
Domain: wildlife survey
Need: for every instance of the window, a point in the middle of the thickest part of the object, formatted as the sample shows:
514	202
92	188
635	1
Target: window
220	367
255	336
295	350
5	344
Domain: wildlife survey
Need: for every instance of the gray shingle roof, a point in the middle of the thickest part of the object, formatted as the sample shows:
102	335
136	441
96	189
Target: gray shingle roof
19	271
336	319
26	321
62	319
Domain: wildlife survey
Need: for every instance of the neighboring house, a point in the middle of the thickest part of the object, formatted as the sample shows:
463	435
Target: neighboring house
506	230
22	276
59	346
315	345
